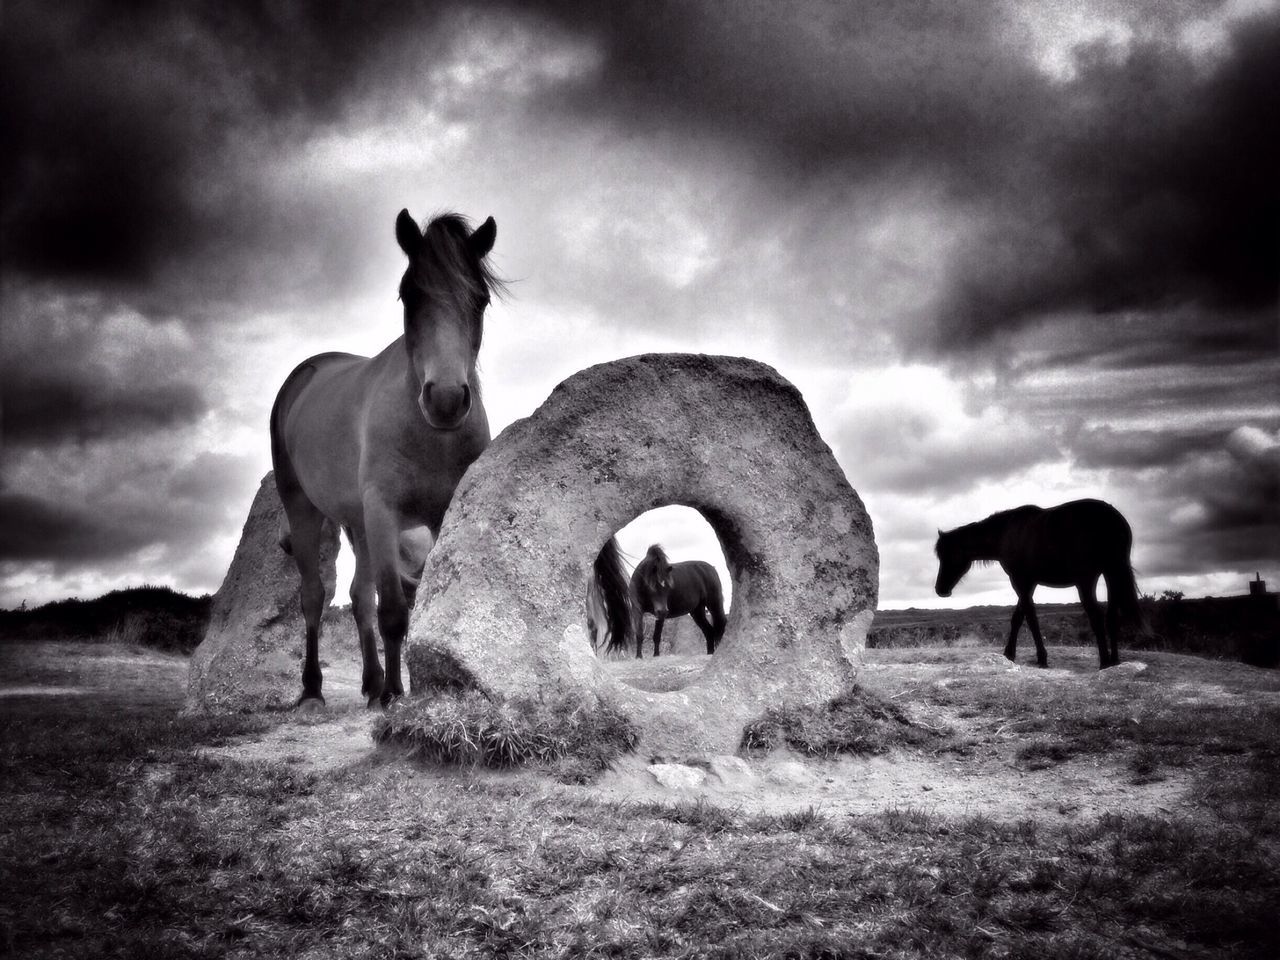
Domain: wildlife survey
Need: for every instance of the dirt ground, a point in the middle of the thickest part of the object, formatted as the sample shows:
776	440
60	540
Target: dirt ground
116	681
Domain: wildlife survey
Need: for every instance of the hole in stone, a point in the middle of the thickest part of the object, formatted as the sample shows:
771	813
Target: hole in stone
684	535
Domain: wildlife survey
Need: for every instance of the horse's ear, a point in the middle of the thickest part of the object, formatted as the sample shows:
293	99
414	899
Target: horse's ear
407	234
483	237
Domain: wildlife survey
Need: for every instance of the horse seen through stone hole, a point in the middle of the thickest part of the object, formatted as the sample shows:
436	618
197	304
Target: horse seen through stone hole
665	589
1070	545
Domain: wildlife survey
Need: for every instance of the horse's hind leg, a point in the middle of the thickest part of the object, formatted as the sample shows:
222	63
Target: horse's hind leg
1015	624
704	624
364	609
715	607
1115	598
1113	629
1089	600
306	531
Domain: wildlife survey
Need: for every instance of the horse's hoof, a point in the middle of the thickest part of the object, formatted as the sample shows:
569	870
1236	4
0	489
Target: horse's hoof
309	703
388	698
375	702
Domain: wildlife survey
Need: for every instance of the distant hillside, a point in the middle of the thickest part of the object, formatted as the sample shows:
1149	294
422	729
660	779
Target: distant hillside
155	617
1234	628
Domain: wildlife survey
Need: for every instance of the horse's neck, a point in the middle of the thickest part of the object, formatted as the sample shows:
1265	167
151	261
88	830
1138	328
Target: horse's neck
983	538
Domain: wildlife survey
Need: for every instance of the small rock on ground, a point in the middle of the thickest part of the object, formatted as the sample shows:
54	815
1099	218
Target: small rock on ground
678	776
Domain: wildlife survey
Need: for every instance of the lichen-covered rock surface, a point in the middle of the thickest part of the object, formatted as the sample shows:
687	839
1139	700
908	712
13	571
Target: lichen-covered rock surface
251	654
501	602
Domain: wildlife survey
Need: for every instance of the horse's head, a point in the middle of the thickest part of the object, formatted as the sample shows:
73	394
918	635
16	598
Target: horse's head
655	577
445	290
953	563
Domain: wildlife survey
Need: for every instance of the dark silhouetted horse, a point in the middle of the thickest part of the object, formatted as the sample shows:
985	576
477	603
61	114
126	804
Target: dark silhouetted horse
1070	545
666	589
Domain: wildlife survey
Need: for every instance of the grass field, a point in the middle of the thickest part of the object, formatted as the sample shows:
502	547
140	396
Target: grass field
1243	628
123	837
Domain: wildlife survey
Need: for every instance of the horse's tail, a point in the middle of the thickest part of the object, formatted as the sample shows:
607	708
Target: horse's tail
1122	590
615	590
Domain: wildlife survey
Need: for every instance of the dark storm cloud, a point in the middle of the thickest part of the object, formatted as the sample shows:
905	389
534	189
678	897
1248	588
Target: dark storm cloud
117	119
805	87
38	413
1105	446
32	528
86	369
1215	505
1245	491
126	497
1146	180
1150	184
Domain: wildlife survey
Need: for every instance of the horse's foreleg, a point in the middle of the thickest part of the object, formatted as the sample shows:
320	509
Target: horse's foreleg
382	531
1029	610
364	608
1011	648
639	621
657	633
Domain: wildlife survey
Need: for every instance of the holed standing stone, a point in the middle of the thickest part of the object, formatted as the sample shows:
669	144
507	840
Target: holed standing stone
500	607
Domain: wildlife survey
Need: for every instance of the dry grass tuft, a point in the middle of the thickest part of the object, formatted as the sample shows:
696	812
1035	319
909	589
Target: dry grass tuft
857	722
576	738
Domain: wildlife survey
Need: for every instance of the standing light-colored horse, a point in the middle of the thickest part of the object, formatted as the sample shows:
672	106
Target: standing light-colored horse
378	444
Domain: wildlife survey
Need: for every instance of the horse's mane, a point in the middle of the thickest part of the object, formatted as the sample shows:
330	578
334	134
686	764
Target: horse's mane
980	531
450	260
655	552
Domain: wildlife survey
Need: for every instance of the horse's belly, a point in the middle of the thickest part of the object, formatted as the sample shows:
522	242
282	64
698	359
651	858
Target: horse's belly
321	438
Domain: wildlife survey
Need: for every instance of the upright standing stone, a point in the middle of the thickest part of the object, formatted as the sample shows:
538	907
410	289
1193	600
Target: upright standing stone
500	607
251	655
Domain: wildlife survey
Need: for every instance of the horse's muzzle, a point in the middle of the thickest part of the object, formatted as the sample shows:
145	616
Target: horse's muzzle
445	408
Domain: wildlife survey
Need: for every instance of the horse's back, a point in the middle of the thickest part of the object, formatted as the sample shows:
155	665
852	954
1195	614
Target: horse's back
1059	546
701	582
1095	519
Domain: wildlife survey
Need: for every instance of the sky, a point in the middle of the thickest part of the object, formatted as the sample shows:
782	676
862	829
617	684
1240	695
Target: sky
1010	252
